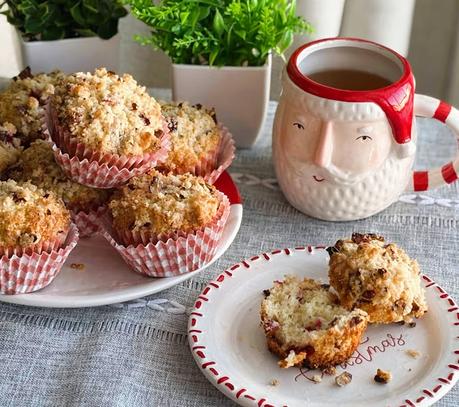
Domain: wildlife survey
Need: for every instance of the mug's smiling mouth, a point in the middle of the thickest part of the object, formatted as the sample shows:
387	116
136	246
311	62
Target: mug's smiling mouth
318	179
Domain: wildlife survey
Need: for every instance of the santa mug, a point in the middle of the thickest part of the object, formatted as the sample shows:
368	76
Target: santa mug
344	136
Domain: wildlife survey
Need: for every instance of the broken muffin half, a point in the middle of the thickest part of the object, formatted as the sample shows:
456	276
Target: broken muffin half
305	325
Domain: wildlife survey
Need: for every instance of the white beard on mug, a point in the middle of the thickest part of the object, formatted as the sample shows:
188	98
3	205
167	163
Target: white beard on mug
342	195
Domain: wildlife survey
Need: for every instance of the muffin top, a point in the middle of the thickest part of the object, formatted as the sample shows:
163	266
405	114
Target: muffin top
38	166
109	113
194	134
378	277
30	215
158	203
10	145
23	103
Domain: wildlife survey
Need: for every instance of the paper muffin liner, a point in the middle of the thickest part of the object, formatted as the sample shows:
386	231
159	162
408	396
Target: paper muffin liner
94	169
87	222
215	162
173	254
20	274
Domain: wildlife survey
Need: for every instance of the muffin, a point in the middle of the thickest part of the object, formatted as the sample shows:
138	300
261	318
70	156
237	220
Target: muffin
10	146
195	138
31	219
156	205
105	128
109	114
23	102
305	325
37	165
166	225
378	277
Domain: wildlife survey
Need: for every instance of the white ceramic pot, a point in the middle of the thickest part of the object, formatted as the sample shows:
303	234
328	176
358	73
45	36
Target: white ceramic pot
324	16
387	22
240	95
71	54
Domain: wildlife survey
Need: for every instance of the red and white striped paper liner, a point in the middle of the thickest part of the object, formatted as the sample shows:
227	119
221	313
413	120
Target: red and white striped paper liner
32	272
220	377
88	222
93	170
179	254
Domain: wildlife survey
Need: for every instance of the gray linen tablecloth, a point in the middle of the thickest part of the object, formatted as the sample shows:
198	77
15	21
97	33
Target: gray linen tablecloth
137	354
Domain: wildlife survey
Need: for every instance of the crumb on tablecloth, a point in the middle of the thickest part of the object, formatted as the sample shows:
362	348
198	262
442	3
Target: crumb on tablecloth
383	376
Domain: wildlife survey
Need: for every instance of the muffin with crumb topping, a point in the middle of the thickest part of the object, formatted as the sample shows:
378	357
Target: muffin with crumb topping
37	165
306	326
156	205
379	277
195	138
108	114
31	219
23	103
10	146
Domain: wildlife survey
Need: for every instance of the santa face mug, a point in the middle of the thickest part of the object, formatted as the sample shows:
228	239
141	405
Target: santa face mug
344	136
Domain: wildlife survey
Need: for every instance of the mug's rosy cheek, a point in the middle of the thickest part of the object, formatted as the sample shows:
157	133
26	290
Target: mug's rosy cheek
300	138
358	153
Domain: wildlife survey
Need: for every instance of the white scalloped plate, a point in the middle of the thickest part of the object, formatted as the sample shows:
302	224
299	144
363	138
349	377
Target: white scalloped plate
229	346
107	279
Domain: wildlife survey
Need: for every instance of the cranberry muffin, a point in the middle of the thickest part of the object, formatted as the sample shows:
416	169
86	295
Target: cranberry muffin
378	277
31	219
23	103
305	325
38	166
155	205
195	137
108	114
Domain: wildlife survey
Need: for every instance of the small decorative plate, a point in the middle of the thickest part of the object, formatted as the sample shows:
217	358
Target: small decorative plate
229	346
107	279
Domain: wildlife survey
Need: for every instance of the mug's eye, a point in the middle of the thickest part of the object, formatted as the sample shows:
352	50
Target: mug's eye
364	138
299	125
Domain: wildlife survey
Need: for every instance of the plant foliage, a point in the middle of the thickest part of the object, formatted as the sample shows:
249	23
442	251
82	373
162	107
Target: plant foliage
219	32
56	19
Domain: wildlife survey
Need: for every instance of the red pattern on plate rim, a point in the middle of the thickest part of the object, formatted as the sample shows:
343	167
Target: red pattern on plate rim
222	381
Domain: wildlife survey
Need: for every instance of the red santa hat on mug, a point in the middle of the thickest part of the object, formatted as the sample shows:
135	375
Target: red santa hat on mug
336	105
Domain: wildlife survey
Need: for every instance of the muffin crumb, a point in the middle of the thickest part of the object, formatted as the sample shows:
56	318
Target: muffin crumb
413	353
274	382
77	266
383	376
343	379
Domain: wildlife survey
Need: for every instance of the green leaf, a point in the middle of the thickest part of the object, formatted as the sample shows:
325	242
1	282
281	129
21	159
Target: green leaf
218	23
52	33
75	11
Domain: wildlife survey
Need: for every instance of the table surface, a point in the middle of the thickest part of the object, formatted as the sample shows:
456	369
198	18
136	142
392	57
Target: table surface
136	354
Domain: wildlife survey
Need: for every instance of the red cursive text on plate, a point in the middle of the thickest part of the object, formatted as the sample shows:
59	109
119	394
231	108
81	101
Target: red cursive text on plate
366	354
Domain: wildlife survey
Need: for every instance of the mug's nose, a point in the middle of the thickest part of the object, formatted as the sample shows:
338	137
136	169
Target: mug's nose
324	149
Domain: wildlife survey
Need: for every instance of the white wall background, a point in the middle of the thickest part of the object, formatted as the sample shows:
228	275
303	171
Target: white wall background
433	50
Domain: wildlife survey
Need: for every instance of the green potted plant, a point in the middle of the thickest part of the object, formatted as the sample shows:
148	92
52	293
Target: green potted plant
221	53
68	35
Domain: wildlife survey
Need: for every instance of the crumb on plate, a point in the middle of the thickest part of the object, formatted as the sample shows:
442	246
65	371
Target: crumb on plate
413	353
274	382
77	266
383	376
343	379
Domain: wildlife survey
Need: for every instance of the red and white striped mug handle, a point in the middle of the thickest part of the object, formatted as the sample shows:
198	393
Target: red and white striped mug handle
426	106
